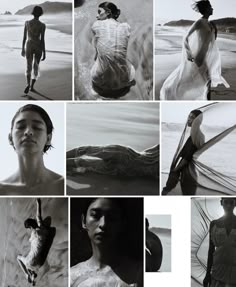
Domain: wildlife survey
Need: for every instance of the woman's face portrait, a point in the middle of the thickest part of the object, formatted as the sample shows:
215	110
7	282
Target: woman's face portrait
104	221
228	205
209	9
102	14
29	133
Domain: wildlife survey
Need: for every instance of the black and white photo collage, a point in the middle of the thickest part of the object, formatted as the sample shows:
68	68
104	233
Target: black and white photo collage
118	136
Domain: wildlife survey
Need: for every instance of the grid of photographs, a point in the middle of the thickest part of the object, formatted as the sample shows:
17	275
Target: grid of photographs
118	133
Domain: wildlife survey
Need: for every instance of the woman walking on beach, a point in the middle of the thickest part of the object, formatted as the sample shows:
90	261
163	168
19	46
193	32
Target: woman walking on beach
112	74
33	47
222	249
200	67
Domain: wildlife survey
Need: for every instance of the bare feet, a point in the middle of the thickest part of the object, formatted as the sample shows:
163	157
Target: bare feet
27	89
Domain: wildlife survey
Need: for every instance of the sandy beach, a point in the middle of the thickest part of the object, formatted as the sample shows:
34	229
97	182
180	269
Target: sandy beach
14	240
140	55
168	47
55	81
132	124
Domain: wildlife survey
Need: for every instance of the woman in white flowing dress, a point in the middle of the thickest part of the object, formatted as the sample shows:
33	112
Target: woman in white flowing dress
200	67
112	74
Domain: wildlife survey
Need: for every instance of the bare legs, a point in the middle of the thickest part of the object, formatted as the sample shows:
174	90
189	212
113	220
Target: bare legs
33	60
30	274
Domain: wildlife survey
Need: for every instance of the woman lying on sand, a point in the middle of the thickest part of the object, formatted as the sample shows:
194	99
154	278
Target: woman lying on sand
222	252
200	68
107	224
30	136
112	74
179	169
114	160
35	47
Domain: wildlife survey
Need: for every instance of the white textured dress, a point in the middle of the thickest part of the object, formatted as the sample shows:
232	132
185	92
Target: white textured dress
111	70
190	81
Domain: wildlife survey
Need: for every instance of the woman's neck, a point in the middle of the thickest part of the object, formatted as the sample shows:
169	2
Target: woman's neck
31	170
205	17
103	256
229	215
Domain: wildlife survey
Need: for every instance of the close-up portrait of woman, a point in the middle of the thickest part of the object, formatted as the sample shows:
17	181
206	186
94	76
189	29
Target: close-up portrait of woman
213	242
106	242
31	139
113	50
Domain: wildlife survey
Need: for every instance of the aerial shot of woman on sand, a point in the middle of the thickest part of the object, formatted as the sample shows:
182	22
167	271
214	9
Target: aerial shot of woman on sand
33	47
107	223
30	136
41	239
200	67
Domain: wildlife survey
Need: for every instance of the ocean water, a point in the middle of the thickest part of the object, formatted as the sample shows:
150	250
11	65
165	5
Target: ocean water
130	124
11	35
14	240
220	157
168	40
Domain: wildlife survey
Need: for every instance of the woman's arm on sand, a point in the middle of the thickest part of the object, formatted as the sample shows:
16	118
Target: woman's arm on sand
43	43
211	250
24	40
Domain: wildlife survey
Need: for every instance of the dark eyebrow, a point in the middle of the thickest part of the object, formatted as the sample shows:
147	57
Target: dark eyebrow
34	121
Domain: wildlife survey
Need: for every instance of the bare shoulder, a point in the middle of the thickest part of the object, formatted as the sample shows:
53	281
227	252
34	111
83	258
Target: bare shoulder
200	23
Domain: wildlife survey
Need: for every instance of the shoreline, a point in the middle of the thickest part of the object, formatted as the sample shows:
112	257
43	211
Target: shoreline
167	62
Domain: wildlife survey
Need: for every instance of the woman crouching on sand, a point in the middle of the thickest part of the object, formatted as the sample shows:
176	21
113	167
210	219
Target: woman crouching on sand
107	224
114	160
30	136
112	73
35	47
